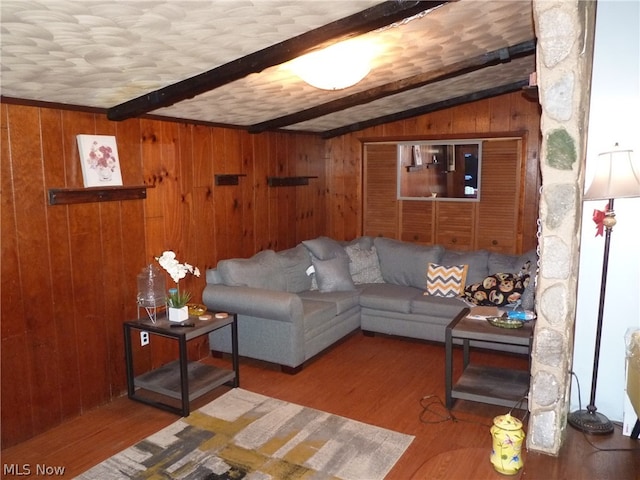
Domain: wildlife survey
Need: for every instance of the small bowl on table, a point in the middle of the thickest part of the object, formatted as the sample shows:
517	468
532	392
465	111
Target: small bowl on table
505	322
196	309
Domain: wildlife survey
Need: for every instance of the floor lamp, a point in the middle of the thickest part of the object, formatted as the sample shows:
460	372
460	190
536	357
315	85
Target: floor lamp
617	176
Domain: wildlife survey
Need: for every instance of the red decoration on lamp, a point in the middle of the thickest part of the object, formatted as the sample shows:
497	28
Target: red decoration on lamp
598	218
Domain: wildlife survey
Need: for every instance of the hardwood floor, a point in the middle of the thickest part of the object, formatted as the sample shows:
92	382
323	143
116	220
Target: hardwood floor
379	380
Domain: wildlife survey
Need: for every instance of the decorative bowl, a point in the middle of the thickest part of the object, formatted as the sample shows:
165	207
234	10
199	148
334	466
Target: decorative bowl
504	322
195	309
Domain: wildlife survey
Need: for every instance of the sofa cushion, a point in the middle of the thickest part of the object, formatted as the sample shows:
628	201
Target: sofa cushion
502	262
365	242
213	276
446	281
315	311
254	302
404	263
433	306
389	297
343	301
333	275
477	261
294	263
499	289
260	271
364	265
318	317
325	248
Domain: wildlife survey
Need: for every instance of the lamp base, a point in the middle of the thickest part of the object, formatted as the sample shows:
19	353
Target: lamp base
593	423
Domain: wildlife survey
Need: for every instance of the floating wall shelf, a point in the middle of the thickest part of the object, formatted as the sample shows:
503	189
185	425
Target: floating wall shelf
288	181
66	196
228	178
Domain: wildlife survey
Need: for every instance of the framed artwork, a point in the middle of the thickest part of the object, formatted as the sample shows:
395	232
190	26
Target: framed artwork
99	160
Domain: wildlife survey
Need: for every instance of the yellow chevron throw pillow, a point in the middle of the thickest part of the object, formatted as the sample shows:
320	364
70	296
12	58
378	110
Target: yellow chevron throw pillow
446	281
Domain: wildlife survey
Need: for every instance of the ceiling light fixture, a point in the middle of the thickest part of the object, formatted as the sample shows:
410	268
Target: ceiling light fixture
338	66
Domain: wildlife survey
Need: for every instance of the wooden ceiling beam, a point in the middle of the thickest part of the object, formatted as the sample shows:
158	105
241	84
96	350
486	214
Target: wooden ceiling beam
414	112
479	62
370	19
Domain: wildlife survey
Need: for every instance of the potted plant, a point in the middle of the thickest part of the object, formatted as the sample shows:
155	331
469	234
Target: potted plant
177	310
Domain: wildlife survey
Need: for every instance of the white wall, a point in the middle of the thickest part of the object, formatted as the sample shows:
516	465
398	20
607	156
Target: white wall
614	117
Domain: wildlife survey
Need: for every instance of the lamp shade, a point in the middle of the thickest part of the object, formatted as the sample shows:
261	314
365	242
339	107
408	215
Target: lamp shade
617	176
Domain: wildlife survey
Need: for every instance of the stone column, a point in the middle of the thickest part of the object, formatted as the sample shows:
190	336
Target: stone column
564	29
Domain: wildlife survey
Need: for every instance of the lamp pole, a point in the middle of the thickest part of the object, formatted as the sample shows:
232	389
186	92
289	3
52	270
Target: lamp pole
589	420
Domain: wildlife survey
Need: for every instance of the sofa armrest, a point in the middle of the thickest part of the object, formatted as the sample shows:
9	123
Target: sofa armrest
255	302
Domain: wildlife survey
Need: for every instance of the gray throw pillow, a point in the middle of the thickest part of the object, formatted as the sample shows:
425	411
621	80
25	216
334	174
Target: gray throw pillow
527	300
363	264
325	248
333	275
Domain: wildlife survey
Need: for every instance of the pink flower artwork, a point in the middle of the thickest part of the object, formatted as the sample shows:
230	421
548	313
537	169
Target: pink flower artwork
99	159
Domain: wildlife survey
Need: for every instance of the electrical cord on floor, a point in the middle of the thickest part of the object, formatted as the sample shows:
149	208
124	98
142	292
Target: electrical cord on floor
615	424
519	406
433	406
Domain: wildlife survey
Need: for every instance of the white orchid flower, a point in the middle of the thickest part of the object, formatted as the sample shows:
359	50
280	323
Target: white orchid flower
174	268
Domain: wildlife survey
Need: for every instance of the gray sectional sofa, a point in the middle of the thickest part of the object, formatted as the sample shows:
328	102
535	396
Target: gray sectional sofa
295	303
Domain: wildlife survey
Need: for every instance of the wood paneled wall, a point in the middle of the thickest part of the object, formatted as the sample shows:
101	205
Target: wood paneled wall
69	271
506	113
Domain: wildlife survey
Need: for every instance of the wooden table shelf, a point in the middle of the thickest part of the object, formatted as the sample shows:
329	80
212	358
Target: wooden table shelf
166	379
482	383
497	386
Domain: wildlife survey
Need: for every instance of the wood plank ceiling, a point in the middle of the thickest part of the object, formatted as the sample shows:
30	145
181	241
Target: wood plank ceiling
222	63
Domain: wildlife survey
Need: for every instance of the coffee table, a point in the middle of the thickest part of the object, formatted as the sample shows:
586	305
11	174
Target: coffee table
482	383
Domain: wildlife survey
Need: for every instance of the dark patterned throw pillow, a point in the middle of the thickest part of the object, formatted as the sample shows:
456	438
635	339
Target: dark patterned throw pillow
499	289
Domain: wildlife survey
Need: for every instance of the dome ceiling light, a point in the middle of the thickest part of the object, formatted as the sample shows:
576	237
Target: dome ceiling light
338	66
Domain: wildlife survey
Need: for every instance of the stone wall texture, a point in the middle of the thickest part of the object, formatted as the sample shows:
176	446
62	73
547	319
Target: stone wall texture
564	30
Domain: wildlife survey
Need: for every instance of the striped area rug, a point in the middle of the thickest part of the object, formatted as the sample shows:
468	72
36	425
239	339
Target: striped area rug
246	435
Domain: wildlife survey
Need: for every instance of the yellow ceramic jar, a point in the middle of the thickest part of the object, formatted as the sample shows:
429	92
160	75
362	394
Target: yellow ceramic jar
508	437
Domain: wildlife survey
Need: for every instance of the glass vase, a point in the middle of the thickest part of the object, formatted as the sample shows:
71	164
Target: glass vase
151	287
